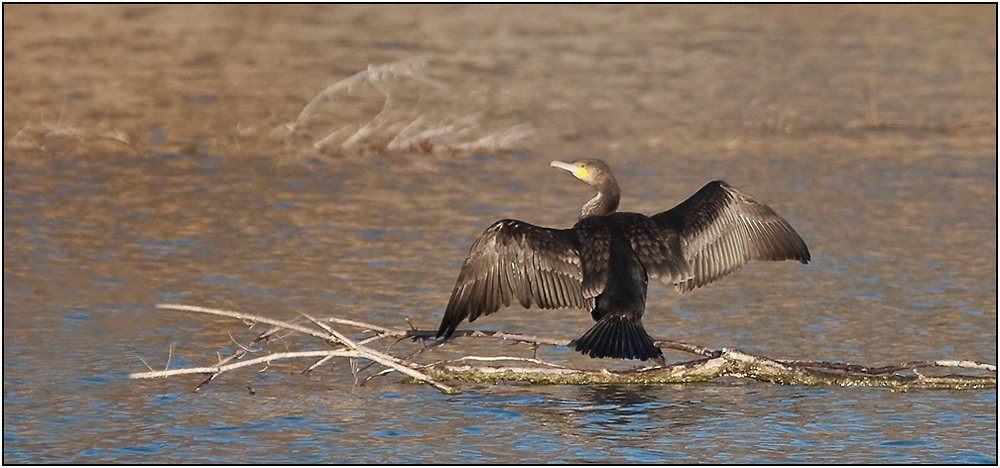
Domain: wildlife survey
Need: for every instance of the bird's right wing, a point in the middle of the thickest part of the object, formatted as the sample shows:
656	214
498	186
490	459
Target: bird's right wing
516	260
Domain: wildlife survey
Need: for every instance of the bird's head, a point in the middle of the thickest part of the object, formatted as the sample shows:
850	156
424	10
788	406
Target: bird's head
587	170
597	174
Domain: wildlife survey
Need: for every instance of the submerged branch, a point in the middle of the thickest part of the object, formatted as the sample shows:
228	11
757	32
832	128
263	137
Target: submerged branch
713	364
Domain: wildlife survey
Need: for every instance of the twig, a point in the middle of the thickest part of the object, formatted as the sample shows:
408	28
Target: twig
501	358
690	348
317	364
170	355
428	334
889	369
241	364
361	351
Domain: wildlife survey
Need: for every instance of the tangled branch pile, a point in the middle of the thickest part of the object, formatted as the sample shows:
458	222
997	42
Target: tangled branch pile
713	363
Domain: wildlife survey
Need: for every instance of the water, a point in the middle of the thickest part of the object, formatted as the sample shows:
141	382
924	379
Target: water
901	223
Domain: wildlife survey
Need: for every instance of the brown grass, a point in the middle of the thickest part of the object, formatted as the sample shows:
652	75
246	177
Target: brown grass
396	108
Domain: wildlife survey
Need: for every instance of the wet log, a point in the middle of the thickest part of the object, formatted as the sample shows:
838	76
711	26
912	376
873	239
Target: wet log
729	363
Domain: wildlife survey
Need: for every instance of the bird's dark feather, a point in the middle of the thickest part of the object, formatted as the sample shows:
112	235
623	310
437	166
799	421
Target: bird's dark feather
516	260
721	229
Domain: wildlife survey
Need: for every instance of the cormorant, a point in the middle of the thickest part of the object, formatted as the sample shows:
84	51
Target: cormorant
602	263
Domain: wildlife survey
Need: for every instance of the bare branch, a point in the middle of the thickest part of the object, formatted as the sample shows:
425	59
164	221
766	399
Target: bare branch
144	362
170	355
241	364
317	364
361	351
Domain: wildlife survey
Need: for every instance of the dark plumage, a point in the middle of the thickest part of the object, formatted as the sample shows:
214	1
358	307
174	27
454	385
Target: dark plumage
602	263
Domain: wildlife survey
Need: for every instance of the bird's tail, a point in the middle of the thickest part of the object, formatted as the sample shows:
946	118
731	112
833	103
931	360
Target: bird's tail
619	337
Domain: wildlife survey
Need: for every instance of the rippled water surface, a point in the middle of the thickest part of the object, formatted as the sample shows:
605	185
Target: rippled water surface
896	198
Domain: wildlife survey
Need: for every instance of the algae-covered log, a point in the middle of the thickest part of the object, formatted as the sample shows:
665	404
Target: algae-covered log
730	363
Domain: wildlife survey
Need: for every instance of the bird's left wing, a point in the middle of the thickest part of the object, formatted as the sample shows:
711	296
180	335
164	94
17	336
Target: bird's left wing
516	260
720	229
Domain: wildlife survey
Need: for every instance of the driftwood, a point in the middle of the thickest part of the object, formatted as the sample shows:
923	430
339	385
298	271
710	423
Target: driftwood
713	364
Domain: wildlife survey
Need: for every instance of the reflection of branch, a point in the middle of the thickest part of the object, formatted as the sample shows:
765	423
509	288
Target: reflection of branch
712	365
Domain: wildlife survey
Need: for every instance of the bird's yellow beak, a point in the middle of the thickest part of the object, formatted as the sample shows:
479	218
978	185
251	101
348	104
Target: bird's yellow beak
578	171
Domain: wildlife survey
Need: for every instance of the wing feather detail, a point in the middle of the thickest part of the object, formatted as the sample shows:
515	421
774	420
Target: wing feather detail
513	260
720	229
